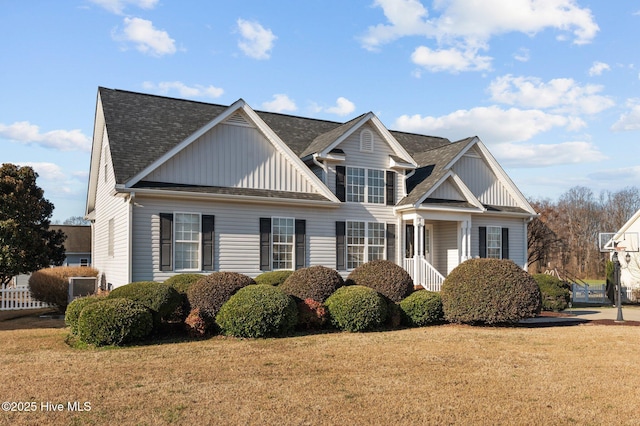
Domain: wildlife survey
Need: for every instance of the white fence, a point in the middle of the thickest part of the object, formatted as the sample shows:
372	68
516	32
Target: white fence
427	276
596	294
18	298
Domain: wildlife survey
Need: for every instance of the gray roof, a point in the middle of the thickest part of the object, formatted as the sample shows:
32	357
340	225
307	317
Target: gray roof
78	237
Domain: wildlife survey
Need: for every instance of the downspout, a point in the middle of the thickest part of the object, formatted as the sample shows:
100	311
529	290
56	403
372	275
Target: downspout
131	199
323	166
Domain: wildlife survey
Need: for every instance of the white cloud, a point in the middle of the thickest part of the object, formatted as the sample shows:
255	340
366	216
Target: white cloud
452	60
118	6
560	94
522	55
256	41
197	91
46	171
492	124
630	174
598	67
146	37
29	134
343	107
542	155
629	120
280	103
406	18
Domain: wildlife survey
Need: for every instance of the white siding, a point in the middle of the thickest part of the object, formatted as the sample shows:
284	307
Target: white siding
447	191
116	267
445	238
233	156
481	180
517	236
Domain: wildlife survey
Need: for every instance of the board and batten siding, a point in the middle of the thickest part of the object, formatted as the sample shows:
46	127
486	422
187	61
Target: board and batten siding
114	267
481	180
447	191
517	236
232	155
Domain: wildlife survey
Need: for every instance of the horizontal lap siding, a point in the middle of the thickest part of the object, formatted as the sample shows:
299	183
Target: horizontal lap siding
517	236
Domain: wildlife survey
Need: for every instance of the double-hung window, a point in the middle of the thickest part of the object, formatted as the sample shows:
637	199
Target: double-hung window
365	242
494	242
365	185
355	184
187	241
282	234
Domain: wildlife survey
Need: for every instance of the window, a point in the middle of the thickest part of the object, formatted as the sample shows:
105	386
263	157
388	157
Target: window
84	262
187	241
375	241
110	232
365	181
494	242
365	242
283	232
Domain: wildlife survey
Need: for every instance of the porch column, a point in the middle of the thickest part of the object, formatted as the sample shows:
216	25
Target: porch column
418	243
465	232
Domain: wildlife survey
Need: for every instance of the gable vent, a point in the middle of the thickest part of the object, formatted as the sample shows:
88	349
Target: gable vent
366	141
237	119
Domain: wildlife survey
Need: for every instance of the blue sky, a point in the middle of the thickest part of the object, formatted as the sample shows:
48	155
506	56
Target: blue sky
551	87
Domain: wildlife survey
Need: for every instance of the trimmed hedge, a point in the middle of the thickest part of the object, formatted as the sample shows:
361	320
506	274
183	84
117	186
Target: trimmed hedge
357	308
312	315
182	283
489	291
315	282
212	291
258	311
114	322
75	307
422	308
160	298
383	276
274	278
556	294
51	285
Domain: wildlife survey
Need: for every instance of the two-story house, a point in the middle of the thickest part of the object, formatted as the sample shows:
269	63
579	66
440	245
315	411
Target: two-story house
181	186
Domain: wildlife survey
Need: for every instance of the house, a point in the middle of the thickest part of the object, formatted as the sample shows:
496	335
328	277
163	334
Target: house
181	186
627	239
77	244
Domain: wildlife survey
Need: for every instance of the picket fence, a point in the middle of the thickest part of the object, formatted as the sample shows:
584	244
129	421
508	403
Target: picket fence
596	293
18	298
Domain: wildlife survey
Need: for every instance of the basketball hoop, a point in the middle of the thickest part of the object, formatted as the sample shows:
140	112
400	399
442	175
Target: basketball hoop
620	248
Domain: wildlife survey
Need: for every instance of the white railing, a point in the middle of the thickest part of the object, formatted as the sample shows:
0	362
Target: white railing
18	298
427	276
596	293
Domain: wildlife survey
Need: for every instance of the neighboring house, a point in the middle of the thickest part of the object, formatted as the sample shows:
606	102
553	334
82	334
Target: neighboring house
627	237
182	186
77	245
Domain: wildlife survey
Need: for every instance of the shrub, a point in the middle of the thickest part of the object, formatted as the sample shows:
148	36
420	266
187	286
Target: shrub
311	314
258	311
273	277
489	291
160	298
422	308
197	324
315	282
182	283
51	285
383	276
114	322
357	308
556	293
75	307
394	314
212	291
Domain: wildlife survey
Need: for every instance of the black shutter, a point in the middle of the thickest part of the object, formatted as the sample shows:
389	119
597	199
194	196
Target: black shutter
391	242
208	226
166	241
341	246
341	185
265	244
391	188
483	241
408	242
505	243
301	236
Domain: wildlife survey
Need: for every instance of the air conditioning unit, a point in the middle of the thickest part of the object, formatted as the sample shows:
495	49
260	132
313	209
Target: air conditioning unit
82	286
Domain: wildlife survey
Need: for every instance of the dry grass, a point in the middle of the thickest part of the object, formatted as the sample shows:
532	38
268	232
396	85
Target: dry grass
439	375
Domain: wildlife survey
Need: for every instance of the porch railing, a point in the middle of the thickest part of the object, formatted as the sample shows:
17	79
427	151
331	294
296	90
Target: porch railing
427	276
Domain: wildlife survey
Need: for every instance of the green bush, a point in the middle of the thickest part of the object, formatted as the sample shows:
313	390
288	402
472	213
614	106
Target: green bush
211	292
315	282
383	276
422	308
556	293
51	285
114	322
258	311
356	308
75	307
274	278
489	291
160	298
182	283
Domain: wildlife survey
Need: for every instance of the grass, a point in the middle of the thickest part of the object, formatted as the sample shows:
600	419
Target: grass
435	375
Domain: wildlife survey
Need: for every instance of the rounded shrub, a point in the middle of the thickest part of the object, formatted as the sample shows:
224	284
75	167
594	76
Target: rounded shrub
212	291
182	283
315	282
312	315
75	307
422	308
51	285
383	276
357	308
273	277
160	298
556	293
258	311
114	322
489	291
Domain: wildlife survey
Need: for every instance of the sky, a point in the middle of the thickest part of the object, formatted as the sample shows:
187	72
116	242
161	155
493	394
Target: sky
552	87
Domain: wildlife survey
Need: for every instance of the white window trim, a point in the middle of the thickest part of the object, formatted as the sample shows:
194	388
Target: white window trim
365	257
366	186
293	244
174	241
499	233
